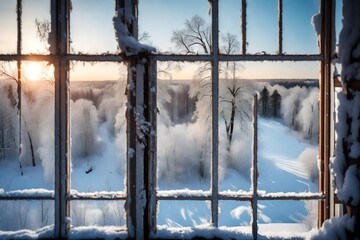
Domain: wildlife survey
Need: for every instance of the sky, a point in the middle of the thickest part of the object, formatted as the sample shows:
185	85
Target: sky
92	31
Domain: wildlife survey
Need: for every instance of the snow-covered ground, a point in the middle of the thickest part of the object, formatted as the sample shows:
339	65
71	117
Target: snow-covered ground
279	171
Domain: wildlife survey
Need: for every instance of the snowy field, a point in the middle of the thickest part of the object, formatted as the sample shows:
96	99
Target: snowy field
280	170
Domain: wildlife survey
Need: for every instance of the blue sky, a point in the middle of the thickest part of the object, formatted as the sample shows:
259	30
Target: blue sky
299	35
92	30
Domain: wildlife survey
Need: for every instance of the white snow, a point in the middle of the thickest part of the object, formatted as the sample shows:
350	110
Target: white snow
45	232
127	43
334	228
92	232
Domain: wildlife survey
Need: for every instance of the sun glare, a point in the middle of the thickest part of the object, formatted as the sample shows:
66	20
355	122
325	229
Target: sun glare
33	71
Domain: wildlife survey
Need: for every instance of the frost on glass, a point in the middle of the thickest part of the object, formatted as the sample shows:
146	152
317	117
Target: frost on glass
184	125
299	35
179	214
97	213
26	132
178	19
36	25
235	214
91	27
8	36
296	217
98	130
20	215
230	26
262	26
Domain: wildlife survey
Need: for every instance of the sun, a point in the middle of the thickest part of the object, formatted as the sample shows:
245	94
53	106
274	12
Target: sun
33	71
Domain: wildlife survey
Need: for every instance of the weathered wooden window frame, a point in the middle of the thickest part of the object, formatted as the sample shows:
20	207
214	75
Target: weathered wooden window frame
142	196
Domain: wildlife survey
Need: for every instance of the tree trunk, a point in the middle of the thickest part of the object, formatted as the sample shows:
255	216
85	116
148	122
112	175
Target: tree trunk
32	150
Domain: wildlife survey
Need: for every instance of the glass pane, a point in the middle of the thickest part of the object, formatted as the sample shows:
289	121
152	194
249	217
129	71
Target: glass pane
230	26
172	16
91	26
31	163
36	26
179	214
235	131
288	110
299	35
98	128
278	71
97	213
235	214
16	215
184	125
287	217
262	26
8	27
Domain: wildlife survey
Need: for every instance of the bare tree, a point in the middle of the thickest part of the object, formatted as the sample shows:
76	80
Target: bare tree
195	37
234	104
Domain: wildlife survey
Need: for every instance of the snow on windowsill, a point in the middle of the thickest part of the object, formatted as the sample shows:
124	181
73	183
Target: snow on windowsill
36	192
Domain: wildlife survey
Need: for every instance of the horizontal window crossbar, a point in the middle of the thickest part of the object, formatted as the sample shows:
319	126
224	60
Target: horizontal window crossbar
28	194
247	57
161	57
67	57
74	195
236	196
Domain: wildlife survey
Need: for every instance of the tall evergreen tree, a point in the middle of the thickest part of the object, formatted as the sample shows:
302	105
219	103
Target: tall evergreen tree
275	103
264	102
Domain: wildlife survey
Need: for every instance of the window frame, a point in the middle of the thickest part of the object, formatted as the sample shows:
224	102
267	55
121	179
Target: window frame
142	194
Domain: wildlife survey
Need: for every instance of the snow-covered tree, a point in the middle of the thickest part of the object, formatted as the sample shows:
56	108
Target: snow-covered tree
308	117
8	138
290	106
84	124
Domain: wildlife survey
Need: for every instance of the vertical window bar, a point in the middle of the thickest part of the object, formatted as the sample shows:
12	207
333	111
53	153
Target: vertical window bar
215	111
243	25
150	162
136	192
280	19
19	45
131	155
140	145
130	142
326	46
254	172
60	11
